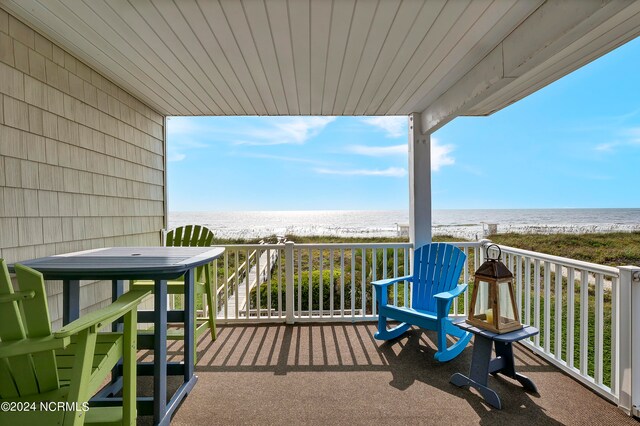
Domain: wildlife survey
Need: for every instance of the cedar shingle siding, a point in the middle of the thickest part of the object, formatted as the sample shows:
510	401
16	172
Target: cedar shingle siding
81	160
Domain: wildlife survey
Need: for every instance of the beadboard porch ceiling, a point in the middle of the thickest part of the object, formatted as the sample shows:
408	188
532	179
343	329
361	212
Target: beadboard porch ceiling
443	58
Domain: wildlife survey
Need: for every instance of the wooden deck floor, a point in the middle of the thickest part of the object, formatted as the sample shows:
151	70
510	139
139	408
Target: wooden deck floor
338	374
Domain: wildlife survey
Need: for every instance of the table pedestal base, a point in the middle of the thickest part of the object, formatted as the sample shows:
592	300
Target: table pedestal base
482	365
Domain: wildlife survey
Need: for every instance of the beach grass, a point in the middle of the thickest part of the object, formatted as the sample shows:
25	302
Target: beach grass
611	249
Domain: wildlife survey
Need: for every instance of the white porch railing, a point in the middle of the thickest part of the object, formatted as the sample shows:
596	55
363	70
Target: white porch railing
338	275
583	310
574	304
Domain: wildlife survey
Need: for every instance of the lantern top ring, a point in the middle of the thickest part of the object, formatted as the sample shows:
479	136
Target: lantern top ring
499	252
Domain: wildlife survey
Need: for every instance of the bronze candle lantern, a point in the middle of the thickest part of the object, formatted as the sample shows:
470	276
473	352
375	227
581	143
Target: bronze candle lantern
493	304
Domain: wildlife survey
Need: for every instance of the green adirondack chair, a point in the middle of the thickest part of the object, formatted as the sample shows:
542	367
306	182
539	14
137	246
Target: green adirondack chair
65	367
191	236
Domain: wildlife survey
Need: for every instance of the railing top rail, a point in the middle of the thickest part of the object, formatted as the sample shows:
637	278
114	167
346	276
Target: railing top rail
468	244
252	246
460	244
564	261
353	245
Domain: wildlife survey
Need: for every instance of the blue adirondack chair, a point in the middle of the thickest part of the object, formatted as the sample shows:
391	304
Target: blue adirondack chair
436	269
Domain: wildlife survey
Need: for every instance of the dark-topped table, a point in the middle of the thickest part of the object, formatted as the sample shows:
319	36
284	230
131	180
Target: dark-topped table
482	365
139	263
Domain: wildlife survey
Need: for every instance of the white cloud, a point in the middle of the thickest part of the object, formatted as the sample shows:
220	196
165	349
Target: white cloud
388	172
629	138
394	126
606	147
281	158
440	154
634	134
173	156
183	133
283	130
378	151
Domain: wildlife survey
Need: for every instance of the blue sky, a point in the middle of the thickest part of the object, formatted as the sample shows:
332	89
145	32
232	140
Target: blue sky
575	143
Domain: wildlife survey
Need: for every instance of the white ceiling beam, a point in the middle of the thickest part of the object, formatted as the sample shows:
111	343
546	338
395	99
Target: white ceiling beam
483	80
618	30
586	27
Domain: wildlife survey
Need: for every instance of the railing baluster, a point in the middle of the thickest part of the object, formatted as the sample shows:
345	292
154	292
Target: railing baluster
558	313
289	283
226	284
536	300
353	282
299	283
246	283
407	291
527	290
599	330
547	306
258	282
584	322
511	267
363	283
236	284
395	274
615	296
465	279
280	256
310	292
321	282
384	263
342	272
519	286
374	277
268	280
331	283
571	309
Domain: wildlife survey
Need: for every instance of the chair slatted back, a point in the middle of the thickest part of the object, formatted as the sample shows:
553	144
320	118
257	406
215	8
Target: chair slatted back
436	268
25	374
190	236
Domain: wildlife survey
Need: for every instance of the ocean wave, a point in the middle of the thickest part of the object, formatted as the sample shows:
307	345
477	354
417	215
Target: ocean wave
464	224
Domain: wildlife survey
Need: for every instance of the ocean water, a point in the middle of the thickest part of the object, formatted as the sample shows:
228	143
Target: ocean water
466	224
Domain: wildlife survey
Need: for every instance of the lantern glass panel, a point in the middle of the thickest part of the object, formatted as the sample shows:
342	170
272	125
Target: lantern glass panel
505	305
482	306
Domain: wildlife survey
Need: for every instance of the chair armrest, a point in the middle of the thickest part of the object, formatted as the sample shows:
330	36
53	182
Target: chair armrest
108	314
17	295
389	281
446	295
29	346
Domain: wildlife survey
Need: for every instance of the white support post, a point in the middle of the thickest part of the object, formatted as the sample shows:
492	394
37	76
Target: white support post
628	340
419	183
288	268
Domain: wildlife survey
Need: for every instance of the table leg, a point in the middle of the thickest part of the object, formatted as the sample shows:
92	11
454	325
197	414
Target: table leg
505	352
479	371
117	290
189	327
70	301
160	354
